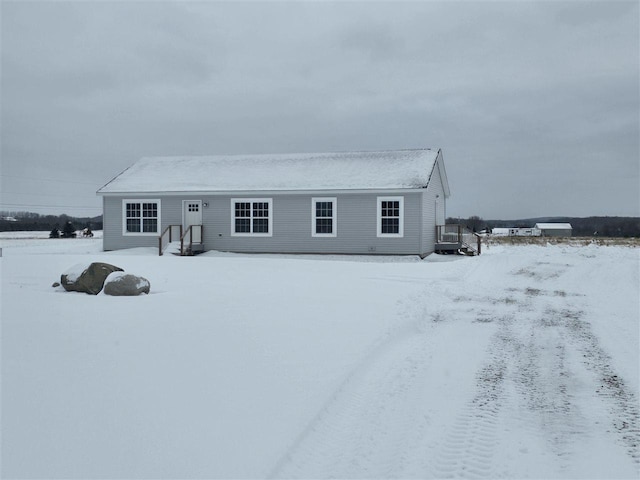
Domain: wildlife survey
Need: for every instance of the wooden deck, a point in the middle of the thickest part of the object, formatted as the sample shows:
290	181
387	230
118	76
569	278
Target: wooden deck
455	238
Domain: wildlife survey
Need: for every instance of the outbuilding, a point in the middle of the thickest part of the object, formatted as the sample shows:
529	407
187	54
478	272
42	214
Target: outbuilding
554	229
382	202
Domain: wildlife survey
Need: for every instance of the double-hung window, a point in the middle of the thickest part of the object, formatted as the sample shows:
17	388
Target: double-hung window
252	217
324	217
390	217
141	217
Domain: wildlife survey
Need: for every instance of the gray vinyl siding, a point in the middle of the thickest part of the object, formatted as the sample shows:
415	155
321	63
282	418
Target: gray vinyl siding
292	214
431	201
113	239
356	226
428	237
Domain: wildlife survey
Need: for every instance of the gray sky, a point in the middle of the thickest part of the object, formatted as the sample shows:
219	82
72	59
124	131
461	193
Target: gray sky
534	104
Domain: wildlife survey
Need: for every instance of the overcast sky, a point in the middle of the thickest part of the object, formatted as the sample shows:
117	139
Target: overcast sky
535	105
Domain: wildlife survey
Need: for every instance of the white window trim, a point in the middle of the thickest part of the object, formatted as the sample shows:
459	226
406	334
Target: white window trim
400	233
334	218
140	201
269	201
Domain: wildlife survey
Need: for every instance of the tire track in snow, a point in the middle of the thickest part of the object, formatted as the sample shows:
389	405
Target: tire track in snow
468	447
622	403
526	367
362	430
546	378
544	382
374	426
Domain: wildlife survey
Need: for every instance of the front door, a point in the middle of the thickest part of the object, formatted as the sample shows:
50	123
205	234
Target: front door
192	215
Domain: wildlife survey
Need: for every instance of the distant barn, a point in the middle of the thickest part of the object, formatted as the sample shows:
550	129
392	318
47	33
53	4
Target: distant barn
554	229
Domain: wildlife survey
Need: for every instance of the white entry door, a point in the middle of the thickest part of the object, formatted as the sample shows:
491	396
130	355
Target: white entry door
192	215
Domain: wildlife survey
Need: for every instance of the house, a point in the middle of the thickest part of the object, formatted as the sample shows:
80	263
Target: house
554	229
384	202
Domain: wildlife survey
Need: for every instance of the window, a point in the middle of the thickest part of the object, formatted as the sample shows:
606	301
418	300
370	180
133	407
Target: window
390	216
324	217
251	216
141	217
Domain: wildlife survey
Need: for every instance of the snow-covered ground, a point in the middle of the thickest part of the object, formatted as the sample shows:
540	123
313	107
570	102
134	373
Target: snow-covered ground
520	363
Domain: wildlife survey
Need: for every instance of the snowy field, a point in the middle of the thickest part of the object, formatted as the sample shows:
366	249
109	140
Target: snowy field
520	363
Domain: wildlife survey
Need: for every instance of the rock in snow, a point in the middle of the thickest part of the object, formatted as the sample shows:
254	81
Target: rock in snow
88	279
125	284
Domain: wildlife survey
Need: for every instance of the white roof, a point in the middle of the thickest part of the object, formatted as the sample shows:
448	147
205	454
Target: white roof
553	226
399	169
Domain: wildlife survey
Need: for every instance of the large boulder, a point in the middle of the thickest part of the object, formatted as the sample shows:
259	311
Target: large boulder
87	278
125	284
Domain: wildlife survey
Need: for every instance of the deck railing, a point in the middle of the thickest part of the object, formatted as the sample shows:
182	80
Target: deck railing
457	234
448	233
192	235
167	237
471	240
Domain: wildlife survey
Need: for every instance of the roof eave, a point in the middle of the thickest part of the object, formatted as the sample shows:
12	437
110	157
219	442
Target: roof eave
260	192
439	163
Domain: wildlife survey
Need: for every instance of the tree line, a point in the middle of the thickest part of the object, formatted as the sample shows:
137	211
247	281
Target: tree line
582	226
29	221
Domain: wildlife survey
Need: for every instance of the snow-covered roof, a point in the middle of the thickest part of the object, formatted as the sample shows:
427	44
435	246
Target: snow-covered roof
399	169
553	226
